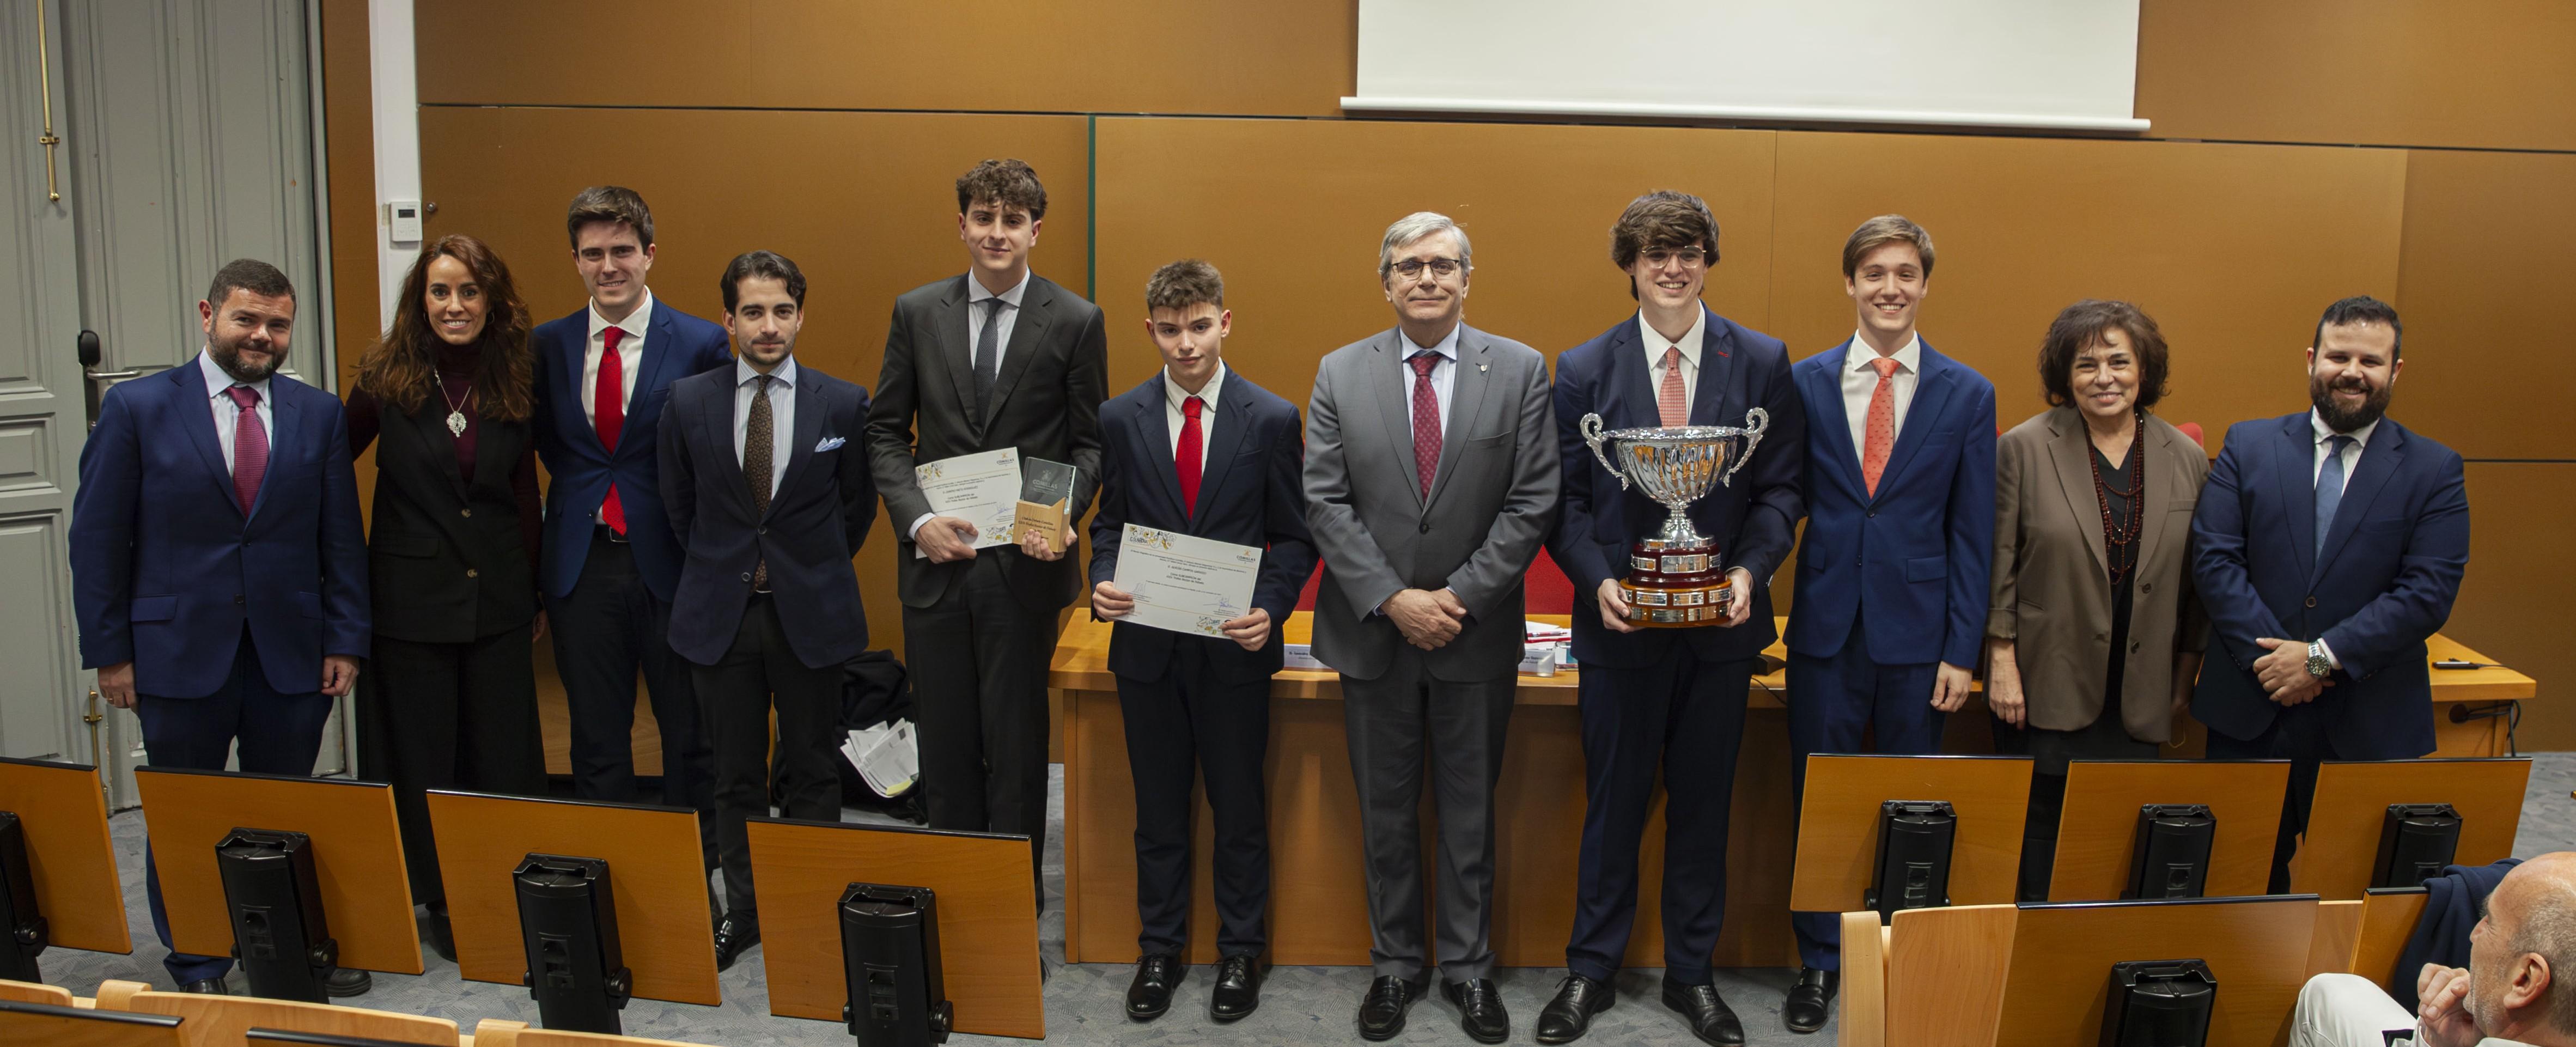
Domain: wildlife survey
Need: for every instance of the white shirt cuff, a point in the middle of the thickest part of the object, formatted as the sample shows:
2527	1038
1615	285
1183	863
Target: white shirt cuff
913	533
2322	645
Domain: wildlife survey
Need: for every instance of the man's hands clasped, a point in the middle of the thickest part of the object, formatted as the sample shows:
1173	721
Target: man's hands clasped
1429	619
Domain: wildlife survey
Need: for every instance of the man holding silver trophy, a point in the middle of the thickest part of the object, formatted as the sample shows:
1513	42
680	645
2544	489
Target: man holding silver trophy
1674	523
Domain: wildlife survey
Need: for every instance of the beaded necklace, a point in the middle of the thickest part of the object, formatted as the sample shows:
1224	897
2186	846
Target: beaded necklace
2120	537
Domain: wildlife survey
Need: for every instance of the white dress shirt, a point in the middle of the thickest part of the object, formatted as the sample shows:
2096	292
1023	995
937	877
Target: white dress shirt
1173	395
2317	473
782	414
227	414
1656	343
1443	376
1860	382
630	355
976	296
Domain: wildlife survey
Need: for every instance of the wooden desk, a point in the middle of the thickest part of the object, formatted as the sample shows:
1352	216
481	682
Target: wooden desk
1316	879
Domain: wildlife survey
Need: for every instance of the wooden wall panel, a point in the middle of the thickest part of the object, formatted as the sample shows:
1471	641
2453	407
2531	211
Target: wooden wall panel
2480	74
2513	604
2482	268
865	203
1292	213
2233	249
1285	57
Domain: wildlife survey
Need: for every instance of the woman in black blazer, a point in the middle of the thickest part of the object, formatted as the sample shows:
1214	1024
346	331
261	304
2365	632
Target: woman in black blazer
451	700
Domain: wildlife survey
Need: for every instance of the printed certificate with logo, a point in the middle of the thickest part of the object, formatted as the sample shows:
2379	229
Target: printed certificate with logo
1184	583
981	488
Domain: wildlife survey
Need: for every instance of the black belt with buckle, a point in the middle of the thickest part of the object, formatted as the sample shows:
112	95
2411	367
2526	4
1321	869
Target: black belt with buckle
605	533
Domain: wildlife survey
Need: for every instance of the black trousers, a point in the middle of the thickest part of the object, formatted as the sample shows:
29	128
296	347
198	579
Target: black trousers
979	666
758	671
448	716
1188	725
606	630
1686	718
2297	734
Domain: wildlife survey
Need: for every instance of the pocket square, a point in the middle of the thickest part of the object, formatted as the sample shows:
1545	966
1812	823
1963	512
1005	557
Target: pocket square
829	442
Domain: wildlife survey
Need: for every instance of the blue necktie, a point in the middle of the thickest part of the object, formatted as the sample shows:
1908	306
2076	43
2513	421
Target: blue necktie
2330	488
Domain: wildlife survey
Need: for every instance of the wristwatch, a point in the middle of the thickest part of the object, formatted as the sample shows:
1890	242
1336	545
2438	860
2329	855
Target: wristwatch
2318	664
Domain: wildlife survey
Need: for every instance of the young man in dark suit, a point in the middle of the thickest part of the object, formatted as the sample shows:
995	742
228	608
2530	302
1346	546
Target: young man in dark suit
770	500
609	562
1199	450
1892	571
219	569
2327	546
1666	697
999	357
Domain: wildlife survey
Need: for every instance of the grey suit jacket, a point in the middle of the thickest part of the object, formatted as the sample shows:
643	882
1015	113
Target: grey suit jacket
1493	499
1046	402
2052	589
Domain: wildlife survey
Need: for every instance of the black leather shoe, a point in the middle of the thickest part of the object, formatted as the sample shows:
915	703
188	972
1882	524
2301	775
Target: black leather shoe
1567	1017
1238	988
1480	1009
734	935
347	981
1810	997
209	986
1710	1018
1151	993
1382	1010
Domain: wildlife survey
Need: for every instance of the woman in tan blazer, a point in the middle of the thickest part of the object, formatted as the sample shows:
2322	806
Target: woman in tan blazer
2095	635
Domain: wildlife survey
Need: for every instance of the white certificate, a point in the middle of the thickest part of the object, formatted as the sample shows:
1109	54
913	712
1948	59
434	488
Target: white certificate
981	488
1184	583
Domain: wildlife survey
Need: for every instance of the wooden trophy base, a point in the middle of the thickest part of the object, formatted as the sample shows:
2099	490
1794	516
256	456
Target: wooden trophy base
1671	586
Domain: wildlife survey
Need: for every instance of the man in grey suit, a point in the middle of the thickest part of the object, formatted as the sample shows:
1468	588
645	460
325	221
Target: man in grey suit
1431	478
998	357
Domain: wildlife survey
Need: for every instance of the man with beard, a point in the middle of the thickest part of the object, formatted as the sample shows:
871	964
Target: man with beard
219	571
2510	994
769	499
2327	546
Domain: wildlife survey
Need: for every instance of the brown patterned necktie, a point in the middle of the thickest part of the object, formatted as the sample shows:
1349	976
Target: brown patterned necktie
756	440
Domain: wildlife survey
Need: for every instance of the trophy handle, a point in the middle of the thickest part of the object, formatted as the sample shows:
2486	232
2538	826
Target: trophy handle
1590	426
1755	421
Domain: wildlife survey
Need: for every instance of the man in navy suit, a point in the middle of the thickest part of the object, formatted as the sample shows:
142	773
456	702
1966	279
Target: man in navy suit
2327	546
609	565
218	564
770	500
1892	589
1199	450
1668	697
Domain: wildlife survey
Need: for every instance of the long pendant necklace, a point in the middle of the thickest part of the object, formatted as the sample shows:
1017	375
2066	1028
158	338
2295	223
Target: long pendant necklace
455	408
2121	536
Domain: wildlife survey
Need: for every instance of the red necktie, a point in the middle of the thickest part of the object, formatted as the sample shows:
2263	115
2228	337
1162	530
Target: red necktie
1426	420
1670	405
1882	425
250	447
1186	458
608	413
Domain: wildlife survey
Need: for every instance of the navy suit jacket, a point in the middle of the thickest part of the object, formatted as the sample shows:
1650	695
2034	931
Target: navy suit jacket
2391	566
166	569
818	516
1754	519
676	345
1916	556
1250	493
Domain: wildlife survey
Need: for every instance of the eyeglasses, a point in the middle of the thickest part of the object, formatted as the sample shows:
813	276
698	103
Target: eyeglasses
1690	257
1411	268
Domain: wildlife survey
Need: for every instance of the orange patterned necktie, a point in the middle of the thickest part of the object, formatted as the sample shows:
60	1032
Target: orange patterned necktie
1882	425
1669	400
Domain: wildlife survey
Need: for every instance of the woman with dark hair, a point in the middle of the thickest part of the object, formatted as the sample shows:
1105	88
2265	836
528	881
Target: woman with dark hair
445	396
2094	635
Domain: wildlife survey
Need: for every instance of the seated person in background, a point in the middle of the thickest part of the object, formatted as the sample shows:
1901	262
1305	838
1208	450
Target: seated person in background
2511	993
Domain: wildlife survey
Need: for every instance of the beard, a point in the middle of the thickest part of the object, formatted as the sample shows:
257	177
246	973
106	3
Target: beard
228	356
2374	403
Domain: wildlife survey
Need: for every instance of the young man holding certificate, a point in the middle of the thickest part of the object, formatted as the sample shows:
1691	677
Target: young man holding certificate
1199	486
995	359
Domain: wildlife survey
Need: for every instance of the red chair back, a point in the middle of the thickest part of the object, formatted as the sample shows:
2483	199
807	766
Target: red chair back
1546	587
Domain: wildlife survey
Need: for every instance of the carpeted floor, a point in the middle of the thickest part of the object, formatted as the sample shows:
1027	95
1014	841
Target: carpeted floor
1300	1005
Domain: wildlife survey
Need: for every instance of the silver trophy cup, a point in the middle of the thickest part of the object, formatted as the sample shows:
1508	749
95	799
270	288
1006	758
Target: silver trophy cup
1676	577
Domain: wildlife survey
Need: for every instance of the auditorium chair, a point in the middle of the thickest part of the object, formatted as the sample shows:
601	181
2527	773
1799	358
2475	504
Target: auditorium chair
221	1021
497	1032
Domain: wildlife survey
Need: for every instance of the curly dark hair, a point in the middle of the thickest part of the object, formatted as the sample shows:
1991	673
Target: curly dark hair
402	366
1011	183
2081	326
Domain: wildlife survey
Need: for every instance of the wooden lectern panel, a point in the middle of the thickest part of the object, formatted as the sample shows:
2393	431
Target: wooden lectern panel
497	1032
2388	918
988	919
655	871
2100	825
222	1021
1838	827
357	854
58	1026
2257	949
62	808
1945	973
2342	843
